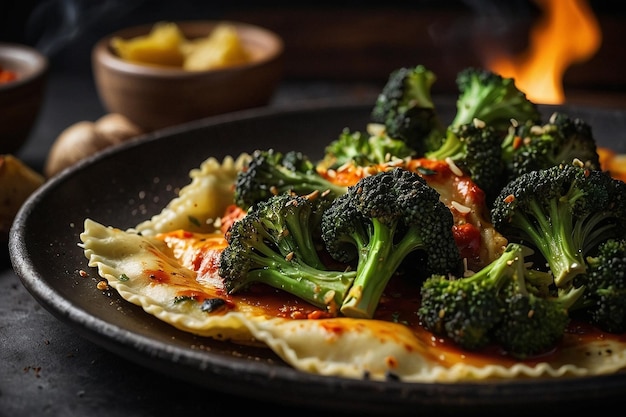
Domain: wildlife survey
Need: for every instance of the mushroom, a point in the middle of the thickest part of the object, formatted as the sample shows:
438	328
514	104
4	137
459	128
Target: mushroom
85	138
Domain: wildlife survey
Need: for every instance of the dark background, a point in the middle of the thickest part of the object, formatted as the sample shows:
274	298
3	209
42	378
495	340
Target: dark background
332	40
332	48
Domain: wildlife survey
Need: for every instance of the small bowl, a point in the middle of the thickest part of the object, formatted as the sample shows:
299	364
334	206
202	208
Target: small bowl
155	97
21	98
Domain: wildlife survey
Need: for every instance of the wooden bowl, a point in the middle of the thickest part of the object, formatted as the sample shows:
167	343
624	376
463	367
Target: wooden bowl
154	97
20	98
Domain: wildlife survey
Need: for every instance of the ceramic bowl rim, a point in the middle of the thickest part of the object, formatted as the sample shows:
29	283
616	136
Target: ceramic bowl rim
27	57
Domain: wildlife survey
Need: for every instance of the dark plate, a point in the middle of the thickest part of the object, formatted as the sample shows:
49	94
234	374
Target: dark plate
126	185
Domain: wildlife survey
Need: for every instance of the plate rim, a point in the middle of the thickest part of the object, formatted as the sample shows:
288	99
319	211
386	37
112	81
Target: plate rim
404	396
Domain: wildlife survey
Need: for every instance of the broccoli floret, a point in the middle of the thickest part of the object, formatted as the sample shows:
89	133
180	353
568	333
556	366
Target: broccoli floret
363	149
532	324
492	98
270	173
467	309
378	222
605	286
564	212
505	303
475	149
275	243
530	147
406	108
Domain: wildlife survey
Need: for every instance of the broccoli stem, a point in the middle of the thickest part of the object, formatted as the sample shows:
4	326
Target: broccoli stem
591	231
378	261
372	270
452	148
313	285
553	237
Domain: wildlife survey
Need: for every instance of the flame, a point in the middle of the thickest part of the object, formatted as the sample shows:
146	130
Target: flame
567	33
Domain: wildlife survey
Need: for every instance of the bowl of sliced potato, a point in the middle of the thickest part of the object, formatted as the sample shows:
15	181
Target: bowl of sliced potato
167	73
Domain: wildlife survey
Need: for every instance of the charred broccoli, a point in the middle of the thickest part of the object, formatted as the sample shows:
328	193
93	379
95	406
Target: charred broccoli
529	147
504	303
475	149
604	299
564	212
363	149
275	243
492	98
466	309
532	324
270	172
406	108
377	223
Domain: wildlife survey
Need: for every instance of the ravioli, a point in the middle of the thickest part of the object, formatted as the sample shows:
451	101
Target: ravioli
200	202
167	265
